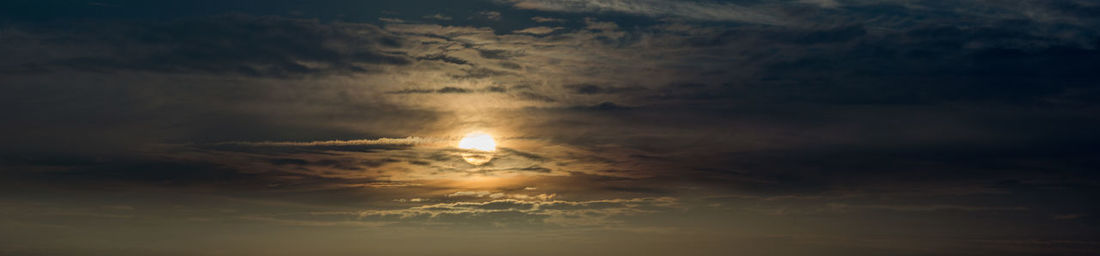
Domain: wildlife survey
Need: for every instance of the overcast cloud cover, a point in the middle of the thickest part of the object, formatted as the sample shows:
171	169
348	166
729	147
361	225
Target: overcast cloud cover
623	127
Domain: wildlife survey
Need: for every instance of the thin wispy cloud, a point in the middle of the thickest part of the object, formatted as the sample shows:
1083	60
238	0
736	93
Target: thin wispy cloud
379	141
712	11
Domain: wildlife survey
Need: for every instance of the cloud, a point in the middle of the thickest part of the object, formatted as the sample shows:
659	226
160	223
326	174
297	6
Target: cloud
540	19
923	208
603	106
490	15
443	90
498	54
592	24
438	16
452	90
548	213
538	30
535	97
469	193
444	58
599	89
822	3
528	155
500	195
237	44
379	141
391	20
411	200
685	9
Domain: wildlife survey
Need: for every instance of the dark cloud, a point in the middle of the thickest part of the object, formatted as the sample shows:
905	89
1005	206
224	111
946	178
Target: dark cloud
534	169
923	65
243	45
476	73
452	90
496	54
444	58
126	173
511	212
510	65
438	16
528	155
546	19
444	90
535	97
261	148
605	106
599	89
490	15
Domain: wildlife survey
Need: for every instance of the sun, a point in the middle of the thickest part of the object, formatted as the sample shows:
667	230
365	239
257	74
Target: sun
479	148
478	141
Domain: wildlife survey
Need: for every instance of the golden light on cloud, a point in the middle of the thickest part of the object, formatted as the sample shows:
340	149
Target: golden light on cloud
480	147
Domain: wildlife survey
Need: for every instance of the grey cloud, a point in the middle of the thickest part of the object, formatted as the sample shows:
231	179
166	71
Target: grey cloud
540	19
599	89
476	73
922	208
132	111
510	65
823	3
240	45
498	54
523	154
450	90
604	106
391	20
314	147
379	141
694	10
812	12
490	15
539	169
538	30
552	213
438	16
413	91
593	24
444	58
535	97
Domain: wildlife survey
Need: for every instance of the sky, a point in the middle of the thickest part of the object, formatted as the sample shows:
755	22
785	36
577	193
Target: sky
621	127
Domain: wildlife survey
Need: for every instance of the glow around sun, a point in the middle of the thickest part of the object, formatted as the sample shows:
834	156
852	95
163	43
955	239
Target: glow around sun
479	146
478	141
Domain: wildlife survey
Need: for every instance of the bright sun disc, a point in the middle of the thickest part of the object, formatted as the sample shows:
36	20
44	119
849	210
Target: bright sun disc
478	141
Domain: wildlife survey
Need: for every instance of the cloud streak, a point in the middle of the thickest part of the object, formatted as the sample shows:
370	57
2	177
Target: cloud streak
541	212
379	141
685	9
